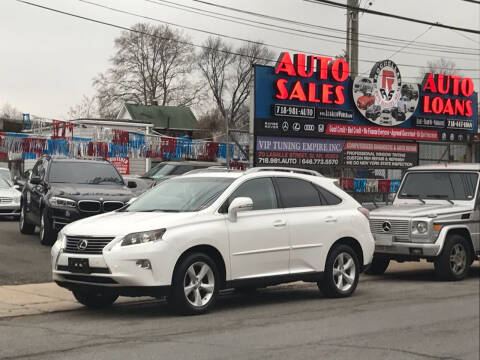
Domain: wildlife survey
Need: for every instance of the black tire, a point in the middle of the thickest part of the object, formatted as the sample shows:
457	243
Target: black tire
185	304
23	224
329	284
455	246
95	298
47	234
379	265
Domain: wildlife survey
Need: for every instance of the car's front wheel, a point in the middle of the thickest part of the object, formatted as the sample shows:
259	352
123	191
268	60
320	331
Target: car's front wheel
47	233
454	261
195	285
23	224
95	298
340	277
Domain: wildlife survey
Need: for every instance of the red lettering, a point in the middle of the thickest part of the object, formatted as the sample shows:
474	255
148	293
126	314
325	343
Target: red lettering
429	83
299	60
339	93
282	92
437	105
340	70
322	66
442	89
448	108
285	65
426	104
312	92
468	108
297	92
455	82
459	107
326	92
466	86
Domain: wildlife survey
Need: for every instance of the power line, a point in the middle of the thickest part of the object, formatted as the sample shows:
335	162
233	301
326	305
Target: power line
473	1
411	42
302	32
226	36
178	41
465	36
399	17
313	25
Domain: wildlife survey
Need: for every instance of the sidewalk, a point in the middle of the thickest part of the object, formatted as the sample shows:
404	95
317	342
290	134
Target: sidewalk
32	299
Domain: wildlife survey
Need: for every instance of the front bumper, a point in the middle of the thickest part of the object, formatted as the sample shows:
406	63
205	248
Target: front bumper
10	209
117	266
409	249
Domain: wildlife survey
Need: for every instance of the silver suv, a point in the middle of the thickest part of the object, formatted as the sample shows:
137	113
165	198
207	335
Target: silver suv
435	216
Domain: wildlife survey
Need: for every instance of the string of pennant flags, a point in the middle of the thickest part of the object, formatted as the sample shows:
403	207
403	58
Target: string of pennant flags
122	144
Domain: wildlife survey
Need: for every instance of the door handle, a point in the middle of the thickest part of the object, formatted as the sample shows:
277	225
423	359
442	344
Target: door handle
279	223
331	219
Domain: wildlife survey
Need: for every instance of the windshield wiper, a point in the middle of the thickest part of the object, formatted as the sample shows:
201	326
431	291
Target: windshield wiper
414	196
438	196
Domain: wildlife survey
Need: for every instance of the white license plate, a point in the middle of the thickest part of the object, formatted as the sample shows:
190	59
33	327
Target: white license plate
384	240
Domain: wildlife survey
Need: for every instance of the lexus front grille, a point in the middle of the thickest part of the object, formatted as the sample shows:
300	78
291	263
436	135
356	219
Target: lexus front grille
86	245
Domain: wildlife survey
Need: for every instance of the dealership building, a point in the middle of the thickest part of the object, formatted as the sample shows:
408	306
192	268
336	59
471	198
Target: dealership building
309	112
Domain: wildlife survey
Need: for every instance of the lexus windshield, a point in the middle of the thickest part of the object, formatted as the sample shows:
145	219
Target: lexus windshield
84	173
181	195
439	185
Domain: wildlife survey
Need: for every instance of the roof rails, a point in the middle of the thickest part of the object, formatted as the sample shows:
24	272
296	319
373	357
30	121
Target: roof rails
284	169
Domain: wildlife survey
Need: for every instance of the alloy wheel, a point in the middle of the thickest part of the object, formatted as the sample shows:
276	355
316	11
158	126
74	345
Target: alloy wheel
22	217
199	284
42	228
344	271
458	259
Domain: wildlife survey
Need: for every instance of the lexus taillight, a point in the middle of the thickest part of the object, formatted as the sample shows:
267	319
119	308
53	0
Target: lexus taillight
365	212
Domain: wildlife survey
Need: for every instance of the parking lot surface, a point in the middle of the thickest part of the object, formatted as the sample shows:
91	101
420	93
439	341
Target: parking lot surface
405	314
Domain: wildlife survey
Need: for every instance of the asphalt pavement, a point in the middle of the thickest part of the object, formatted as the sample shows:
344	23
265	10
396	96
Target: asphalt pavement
23	259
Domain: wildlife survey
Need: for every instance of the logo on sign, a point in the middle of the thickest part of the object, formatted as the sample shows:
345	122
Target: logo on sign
285	126
296	126
309	127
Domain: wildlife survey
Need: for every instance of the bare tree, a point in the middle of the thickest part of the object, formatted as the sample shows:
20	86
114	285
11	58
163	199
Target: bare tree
87	108
10	112
229	75
210	126
153	64
440	66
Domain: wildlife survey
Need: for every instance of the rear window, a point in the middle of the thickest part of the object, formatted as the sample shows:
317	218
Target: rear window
297	193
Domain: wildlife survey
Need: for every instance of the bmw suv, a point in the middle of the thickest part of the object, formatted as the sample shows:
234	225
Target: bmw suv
198	233
62	190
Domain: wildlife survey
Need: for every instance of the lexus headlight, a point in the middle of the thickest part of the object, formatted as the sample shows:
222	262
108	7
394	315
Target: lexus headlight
61	240
420	227
62	202
143	237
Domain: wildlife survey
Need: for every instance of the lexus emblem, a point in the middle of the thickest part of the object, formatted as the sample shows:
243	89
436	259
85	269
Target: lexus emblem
296	126
82	244
386	226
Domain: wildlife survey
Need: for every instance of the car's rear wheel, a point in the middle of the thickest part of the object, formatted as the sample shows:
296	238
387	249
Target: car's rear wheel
195	285
23	224
340	277
95	298
455	259
47	233
379	265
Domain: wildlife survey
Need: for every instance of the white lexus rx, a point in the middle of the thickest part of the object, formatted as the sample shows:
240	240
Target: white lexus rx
196	234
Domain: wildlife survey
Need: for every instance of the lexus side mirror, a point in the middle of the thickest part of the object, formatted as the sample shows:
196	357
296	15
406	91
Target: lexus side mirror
131	184
239	204
35	180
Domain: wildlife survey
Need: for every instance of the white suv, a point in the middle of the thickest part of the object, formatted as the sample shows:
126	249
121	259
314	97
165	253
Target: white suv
196	234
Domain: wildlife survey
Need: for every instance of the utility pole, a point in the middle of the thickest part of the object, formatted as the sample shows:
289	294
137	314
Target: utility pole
352	37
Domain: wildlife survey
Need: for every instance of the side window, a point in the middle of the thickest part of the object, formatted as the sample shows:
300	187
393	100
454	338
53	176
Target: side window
327	197
38	169
181	169
297	193
261	191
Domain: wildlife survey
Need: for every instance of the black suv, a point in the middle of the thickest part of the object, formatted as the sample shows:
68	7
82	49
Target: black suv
61	190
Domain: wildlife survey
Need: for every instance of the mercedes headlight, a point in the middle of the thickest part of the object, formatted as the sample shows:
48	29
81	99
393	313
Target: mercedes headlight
420	227
62	202
143	237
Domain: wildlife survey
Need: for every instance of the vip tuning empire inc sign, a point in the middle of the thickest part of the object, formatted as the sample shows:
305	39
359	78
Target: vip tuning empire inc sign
312	96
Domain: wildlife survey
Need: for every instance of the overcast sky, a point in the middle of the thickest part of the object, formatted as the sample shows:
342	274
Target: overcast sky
48	60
